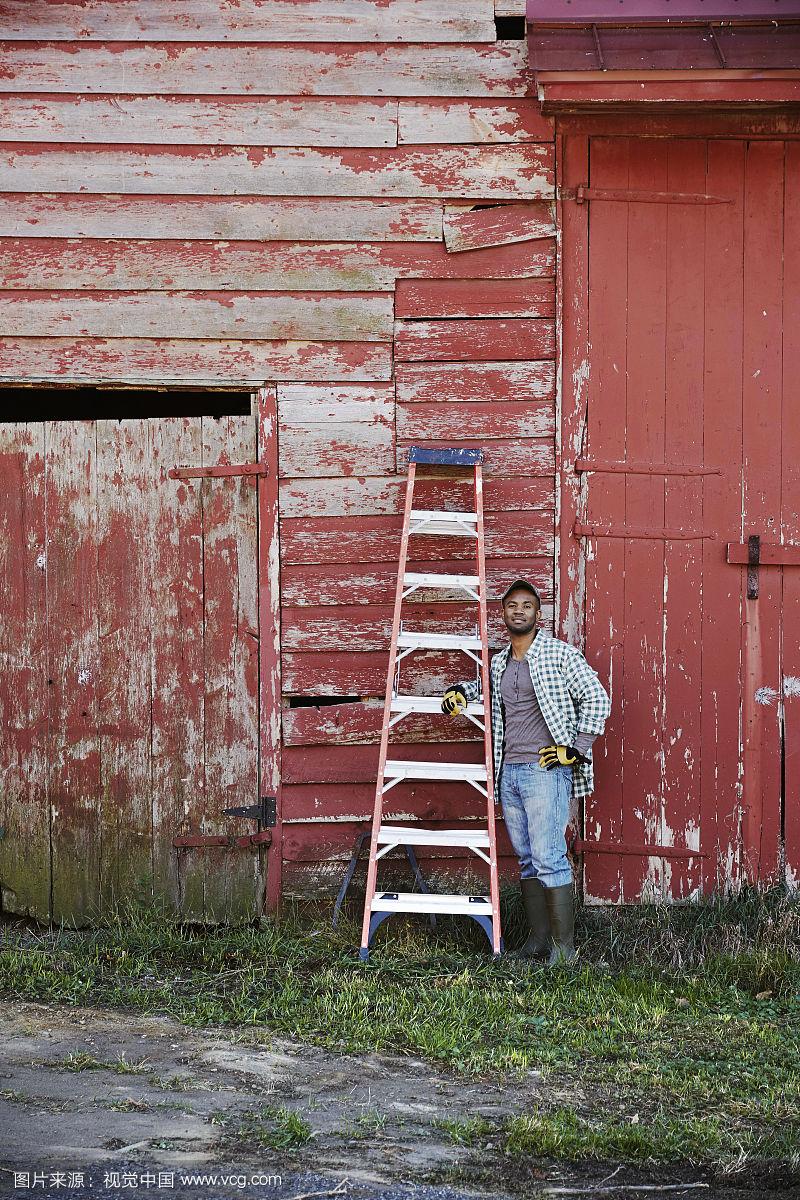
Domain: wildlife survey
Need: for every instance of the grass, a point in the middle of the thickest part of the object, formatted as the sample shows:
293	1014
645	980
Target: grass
674	1036
86	1062
272	1127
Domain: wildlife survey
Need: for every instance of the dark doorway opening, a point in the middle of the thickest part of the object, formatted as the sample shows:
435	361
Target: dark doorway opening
116	404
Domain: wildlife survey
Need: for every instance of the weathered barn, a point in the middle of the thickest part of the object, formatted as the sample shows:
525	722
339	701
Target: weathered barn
251	252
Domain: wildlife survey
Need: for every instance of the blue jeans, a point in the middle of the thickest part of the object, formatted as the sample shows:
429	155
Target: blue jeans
536	809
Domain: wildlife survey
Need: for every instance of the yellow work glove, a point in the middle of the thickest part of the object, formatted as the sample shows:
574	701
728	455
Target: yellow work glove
560	756
454	701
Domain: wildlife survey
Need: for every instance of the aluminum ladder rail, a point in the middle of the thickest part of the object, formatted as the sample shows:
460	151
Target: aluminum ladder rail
379	905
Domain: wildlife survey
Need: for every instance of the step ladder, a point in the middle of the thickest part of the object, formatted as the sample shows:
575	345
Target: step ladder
481	841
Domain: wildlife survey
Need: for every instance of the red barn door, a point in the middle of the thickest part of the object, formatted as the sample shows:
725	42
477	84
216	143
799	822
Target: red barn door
682	341
129	689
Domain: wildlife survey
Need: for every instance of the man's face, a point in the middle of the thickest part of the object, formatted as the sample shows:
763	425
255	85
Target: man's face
520	611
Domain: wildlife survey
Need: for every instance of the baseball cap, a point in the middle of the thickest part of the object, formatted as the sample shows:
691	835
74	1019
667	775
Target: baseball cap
521	583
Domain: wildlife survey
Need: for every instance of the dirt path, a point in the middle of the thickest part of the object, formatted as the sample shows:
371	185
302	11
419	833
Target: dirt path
170	1101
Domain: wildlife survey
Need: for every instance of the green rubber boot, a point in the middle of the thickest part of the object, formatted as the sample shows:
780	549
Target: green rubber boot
538	918
562	923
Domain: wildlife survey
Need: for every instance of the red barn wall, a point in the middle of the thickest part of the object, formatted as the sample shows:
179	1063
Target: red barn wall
349	200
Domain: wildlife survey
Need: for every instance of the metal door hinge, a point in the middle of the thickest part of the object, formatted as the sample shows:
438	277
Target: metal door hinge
583	192
265	811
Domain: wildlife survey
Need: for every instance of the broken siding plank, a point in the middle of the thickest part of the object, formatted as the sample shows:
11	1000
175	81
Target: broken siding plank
505	456
474	422
125	499
230	666
178	748
318	316
92	264
24	805
474	298
326	430
323	583
242	217
465	382
250	21
312	69
203	121
174	361
476	341
377	539
483	172
365	496
72	665
499	225
477	121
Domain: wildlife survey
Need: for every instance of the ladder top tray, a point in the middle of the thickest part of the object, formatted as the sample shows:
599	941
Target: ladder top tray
460	456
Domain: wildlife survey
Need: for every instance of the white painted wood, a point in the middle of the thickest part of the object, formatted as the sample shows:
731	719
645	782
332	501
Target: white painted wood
484	172
477	121
496	69
250	20
253	218
259	316
200	121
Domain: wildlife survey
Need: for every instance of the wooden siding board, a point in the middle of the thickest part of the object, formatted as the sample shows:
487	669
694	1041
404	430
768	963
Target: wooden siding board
312	69
790	517
243	218
361	628
474	422
178	685
324	583
347	802
379	495
199	121
505	456
250	21
499	225
474	298
474	340
470	382
477	121
72	659
126	496
327	430
230	666
359	764
24	719
315	316
92	264
177	361
484	172
377	539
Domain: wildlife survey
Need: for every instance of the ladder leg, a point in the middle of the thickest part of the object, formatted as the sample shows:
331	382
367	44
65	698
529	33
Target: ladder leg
423	887
348	875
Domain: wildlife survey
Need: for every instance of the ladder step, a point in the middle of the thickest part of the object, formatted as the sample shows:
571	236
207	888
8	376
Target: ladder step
445	524
411	835
424	579
437	641
458	456
402	769
430	704
431	902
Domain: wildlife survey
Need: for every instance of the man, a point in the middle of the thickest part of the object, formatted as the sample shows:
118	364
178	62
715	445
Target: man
547	707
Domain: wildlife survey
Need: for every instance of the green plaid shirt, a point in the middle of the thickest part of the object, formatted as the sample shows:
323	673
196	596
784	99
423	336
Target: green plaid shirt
570	695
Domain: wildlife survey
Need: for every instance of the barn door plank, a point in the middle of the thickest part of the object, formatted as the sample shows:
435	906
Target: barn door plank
24	812
178	765
762	451
605	578
720	799
790	517
683	561
125	493
72	658
230	648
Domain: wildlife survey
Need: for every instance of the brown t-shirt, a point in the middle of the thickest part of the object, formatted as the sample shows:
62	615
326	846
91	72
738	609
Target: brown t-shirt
525	729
